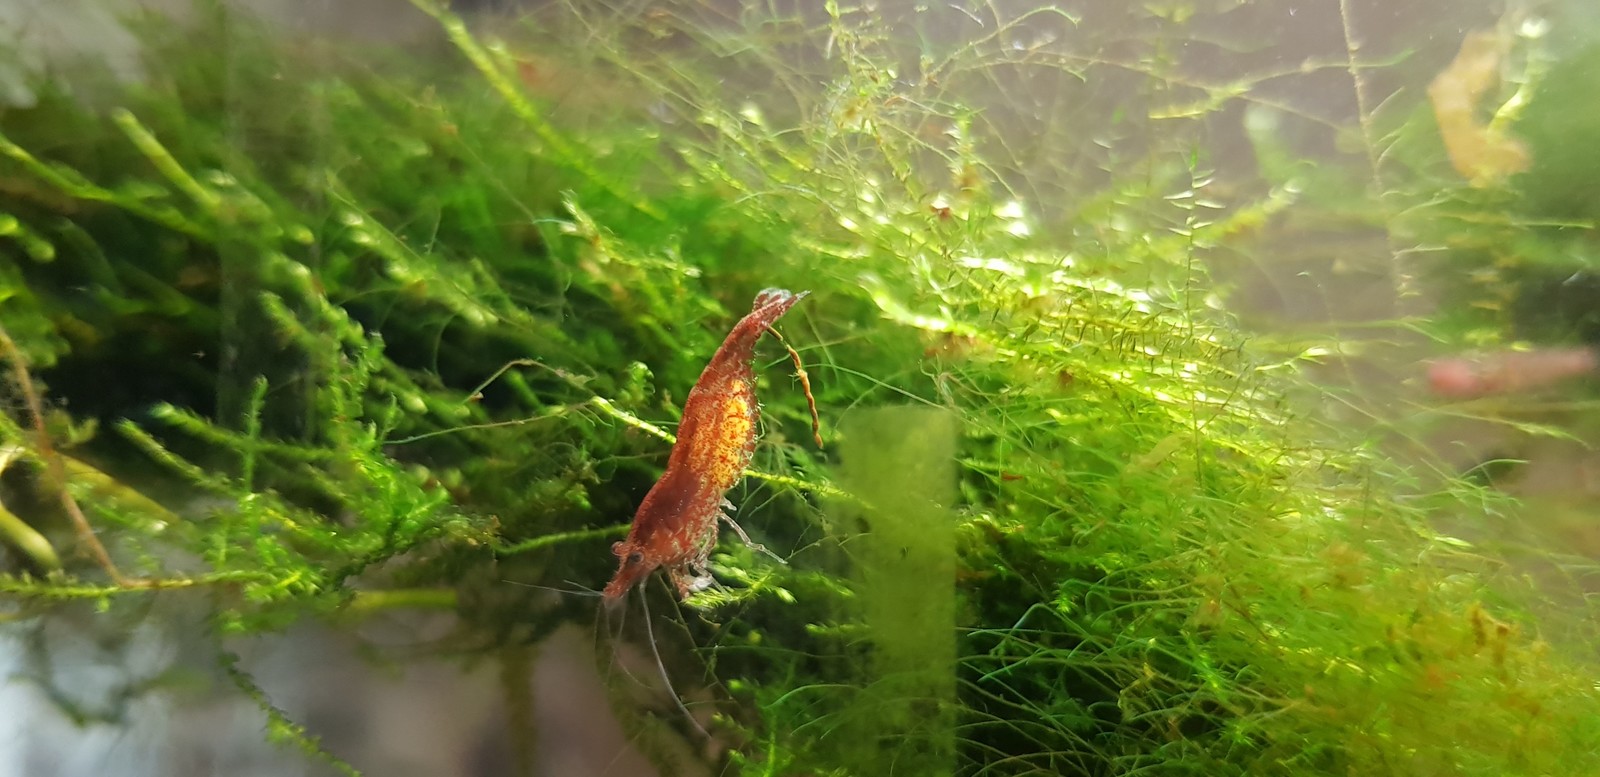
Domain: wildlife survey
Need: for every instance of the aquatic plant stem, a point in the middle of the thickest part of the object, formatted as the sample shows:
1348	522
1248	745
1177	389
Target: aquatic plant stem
162	159
1352	48
279	725
19	534
67	590
56	470
1403	279
547	540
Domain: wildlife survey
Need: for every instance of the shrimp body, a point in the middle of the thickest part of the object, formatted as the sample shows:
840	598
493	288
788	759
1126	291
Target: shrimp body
1509	372
676	526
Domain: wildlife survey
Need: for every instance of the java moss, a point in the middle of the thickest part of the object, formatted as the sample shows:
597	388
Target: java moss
392	337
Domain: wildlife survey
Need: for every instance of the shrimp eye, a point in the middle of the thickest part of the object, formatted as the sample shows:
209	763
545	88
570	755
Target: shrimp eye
635	557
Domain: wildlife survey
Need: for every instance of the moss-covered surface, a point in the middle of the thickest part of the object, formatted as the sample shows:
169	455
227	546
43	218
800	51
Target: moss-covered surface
275	291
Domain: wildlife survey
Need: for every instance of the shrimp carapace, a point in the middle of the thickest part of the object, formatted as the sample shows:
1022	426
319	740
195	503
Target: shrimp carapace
676	525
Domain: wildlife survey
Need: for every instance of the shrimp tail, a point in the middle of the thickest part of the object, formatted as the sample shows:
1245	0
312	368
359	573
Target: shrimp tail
776	297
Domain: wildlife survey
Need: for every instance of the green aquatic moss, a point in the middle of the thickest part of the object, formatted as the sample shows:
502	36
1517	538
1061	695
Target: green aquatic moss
417	338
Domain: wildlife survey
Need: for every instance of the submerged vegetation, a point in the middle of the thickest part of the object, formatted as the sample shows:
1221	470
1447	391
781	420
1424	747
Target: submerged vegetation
320	339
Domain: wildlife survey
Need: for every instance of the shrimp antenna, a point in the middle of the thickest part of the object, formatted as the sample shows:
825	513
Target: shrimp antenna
576	590
805	384
655	652
650	633
477	391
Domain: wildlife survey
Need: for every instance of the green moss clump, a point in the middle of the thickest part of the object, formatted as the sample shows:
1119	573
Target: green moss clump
418	336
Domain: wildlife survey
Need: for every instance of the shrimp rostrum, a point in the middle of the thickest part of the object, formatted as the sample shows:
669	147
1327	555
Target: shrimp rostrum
675	528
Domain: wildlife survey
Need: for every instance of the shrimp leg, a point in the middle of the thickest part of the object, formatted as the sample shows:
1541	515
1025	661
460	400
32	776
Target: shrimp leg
745	538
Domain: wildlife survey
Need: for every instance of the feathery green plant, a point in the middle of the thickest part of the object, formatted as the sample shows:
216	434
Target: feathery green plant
417	336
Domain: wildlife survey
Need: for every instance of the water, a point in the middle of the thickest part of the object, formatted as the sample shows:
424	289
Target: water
1202	387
